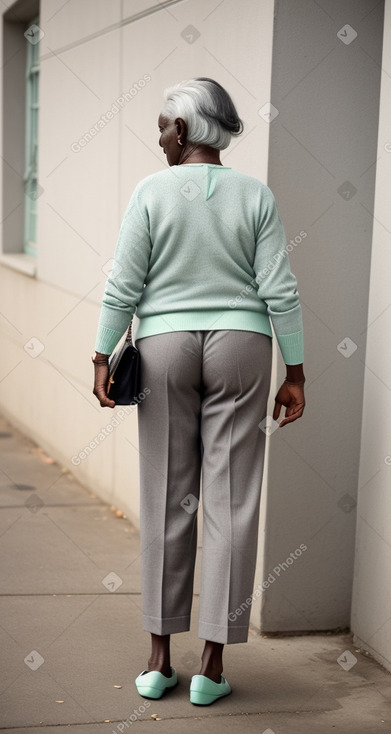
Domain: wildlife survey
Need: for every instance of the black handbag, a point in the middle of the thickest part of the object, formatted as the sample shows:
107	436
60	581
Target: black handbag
124	372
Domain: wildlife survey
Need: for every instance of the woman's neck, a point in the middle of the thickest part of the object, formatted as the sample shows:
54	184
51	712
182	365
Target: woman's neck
200	154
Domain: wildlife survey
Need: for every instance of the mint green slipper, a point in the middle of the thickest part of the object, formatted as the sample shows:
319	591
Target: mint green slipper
204	691
152	684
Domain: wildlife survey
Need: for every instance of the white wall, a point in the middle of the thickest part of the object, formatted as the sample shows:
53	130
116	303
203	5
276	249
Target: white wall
371	604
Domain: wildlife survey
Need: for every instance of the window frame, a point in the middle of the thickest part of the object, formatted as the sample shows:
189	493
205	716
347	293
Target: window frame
30	178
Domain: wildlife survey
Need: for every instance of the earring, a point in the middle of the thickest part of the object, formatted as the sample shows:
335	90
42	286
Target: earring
180	142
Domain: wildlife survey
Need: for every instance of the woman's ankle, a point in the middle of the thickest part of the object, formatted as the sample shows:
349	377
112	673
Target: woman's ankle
212	673
212	661
159	659
161	666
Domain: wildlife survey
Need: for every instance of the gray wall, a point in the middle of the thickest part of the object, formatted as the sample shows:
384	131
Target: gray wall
327	94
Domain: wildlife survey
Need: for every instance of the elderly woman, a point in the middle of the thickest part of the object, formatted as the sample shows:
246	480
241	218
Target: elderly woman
201	255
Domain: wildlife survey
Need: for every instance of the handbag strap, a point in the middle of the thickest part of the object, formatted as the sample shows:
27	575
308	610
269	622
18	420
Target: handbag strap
128	339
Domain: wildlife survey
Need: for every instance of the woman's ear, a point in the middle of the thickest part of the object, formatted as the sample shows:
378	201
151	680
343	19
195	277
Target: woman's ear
181	128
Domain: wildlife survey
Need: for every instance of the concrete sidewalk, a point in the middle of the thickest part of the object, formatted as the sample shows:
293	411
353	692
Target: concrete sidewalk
72	641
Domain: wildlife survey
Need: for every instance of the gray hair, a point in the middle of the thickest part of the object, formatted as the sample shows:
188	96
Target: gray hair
206	108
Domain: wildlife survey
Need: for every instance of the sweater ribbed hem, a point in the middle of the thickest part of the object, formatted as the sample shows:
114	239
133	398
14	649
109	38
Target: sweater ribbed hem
203	321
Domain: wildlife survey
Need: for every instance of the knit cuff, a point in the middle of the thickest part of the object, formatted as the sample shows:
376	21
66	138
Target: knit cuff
106	340
292	347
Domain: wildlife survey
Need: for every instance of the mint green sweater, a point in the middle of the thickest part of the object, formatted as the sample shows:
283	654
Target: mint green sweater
202	247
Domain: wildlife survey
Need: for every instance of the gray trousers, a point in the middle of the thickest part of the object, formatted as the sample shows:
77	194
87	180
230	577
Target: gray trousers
199	426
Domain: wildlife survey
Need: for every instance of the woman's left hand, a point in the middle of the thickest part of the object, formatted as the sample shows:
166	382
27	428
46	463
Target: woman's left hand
292	397
100	385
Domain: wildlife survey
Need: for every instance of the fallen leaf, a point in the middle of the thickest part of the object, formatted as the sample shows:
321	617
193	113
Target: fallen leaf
47	459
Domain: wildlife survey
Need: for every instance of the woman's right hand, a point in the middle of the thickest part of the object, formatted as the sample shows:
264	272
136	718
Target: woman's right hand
100	385
292	397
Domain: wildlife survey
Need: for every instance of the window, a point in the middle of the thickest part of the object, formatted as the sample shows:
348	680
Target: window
31	186
21	37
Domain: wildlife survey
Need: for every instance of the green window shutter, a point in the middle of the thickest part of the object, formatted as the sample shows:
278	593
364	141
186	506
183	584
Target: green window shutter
31	186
